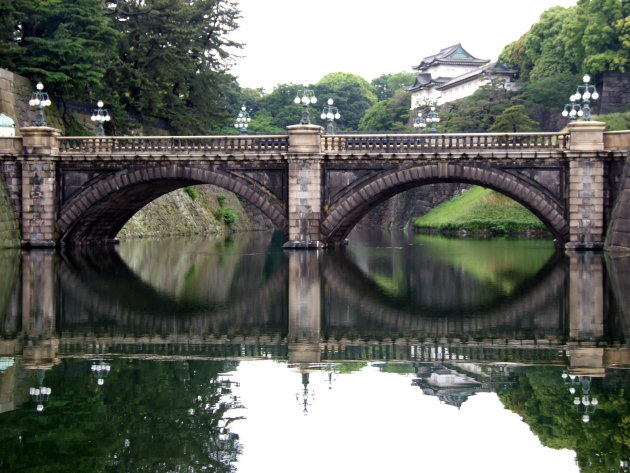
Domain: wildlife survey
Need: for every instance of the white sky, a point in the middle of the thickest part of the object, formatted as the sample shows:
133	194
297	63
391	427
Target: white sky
290	41
371	422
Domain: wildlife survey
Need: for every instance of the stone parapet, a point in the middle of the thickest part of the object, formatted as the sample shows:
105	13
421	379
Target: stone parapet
587	136
305	139
40	141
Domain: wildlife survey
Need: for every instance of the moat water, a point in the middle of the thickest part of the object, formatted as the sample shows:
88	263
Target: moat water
398	352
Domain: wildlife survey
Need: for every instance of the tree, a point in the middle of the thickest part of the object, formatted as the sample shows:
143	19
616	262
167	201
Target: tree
477	112
173	59
352	94
388	115
387	85
592	37
513	119
67	44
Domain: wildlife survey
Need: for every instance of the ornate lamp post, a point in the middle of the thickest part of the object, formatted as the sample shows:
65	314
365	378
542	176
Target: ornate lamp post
331	114
584	403
308	97
41	393
100	115
420	122
433	118
242	120
100	370
40	100
585	92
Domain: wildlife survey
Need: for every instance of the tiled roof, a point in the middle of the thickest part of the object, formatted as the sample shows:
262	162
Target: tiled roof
455	54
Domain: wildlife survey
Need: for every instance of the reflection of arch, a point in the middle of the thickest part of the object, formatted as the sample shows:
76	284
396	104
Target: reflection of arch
99	211
357	200
344	279
100	290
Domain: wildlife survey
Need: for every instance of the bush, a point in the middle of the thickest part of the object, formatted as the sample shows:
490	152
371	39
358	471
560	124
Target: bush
191	191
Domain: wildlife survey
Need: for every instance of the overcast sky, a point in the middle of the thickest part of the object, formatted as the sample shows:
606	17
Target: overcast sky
292	41
370	421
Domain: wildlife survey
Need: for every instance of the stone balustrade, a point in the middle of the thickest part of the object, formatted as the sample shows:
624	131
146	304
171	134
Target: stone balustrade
447	141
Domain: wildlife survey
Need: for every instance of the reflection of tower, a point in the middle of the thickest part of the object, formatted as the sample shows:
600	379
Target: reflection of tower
446	383
41	349
586	313
40	393
304	307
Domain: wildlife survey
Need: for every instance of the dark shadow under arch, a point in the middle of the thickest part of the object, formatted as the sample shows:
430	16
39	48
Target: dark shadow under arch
353	204
99	211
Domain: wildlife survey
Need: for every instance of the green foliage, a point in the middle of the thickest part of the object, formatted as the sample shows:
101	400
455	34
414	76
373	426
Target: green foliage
593	37
66	44
478	112
387	85
191	191
615	121
221	200
388	115
480	209
552	91
277	110
542	398
129	423
155	59
352	94
513	119
226	215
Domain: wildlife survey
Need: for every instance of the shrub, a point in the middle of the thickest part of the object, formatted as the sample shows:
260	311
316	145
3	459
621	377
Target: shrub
191	191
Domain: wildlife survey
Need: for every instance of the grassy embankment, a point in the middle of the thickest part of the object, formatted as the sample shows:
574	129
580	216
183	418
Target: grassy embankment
480	210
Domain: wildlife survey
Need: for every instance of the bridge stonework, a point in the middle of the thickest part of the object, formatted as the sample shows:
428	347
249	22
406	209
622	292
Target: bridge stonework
314	187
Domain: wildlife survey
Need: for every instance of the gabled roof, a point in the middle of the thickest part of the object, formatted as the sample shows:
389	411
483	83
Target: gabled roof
424	80
492	69
455	54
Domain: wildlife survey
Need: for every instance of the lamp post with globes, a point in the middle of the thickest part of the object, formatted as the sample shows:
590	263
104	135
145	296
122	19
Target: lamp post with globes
584	403
308	98
41	393
242	120
420	122
100	115
585	93
40	100
331	114
433	118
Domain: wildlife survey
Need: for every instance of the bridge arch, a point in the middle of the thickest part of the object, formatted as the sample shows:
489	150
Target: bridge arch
102	208
356	201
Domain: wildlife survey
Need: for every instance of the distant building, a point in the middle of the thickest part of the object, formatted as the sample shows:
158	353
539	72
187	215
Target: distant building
452	74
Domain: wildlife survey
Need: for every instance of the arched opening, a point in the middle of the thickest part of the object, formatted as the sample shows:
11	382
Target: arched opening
356	201
101	209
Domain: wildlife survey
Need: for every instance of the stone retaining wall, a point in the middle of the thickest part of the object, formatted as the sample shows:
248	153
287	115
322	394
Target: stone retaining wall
618	237
9	232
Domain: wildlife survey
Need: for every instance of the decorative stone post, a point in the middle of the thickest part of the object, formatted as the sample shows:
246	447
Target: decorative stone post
305	189
41	149
586	186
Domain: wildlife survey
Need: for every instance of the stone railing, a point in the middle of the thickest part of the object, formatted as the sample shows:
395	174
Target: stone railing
439	142
10	145
171	144
617	140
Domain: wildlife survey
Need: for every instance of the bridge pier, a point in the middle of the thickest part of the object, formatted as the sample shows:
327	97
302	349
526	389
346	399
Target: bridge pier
304	186
586	186
39	169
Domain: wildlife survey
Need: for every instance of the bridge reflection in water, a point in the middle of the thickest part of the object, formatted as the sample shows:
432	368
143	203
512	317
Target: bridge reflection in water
235	298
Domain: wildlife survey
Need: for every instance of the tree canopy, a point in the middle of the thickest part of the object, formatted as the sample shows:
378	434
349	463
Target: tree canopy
592	37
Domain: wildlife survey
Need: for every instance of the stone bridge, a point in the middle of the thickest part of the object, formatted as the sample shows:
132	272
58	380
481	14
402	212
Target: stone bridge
315	187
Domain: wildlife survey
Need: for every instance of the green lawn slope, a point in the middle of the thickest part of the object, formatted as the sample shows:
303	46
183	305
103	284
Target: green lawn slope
480	210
